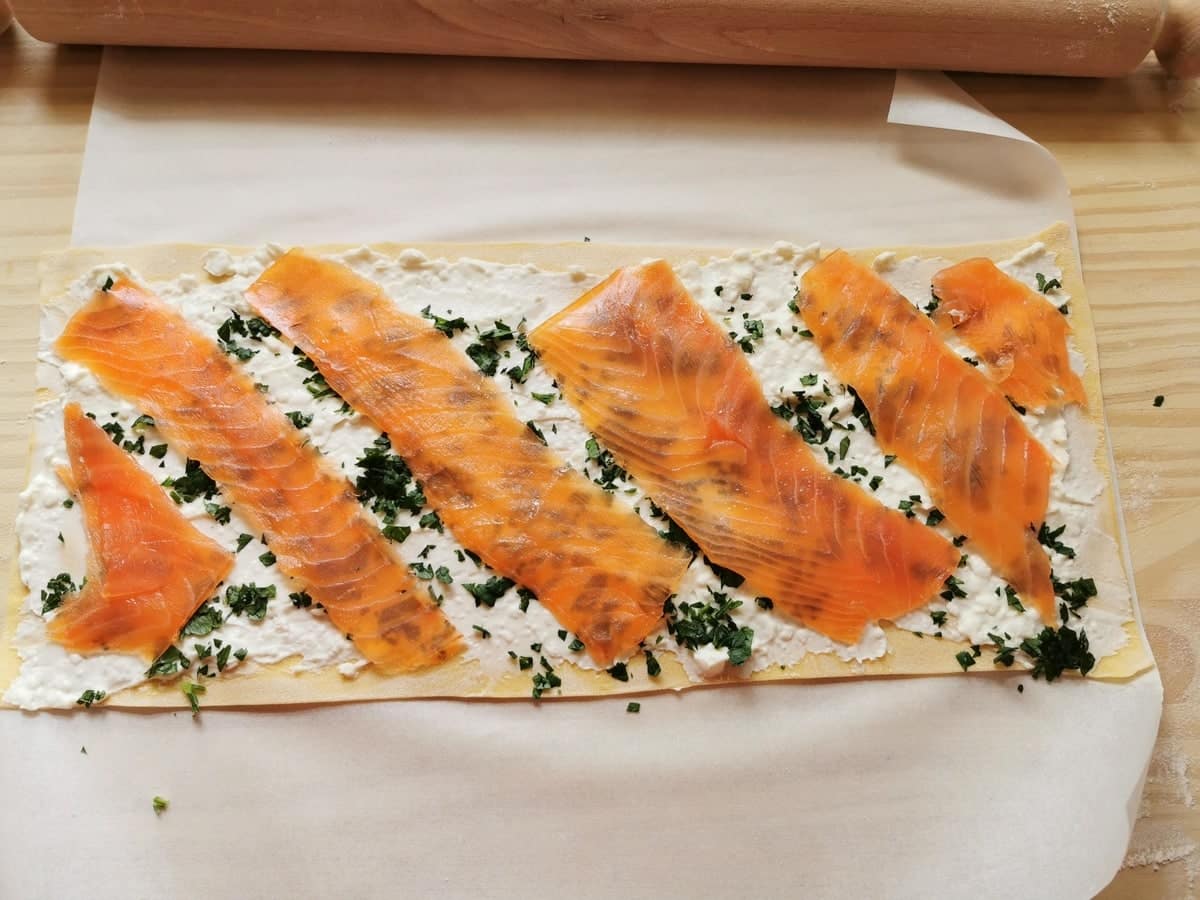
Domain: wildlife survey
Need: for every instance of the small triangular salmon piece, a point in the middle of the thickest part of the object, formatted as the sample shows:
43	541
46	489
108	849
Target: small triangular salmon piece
1018	335
149	568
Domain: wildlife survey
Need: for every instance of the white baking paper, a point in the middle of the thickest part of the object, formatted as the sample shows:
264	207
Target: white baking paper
921	787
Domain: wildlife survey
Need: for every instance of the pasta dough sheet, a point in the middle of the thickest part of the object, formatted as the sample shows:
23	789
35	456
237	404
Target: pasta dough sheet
909	654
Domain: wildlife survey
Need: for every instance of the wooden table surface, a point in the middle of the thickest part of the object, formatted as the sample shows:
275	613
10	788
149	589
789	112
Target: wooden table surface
1131	152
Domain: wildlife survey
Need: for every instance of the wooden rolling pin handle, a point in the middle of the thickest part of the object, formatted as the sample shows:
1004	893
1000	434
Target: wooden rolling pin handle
1178	44
1038	37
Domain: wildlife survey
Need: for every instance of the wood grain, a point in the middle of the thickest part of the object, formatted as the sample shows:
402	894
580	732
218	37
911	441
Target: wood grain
1082	37
1131	153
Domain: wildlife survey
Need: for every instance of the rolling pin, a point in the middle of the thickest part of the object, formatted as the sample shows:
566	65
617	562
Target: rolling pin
1042	37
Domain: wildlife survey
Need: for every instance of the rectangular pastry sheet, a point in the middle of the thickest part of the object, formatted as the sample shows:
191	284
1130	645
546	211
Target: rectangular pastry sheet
908	654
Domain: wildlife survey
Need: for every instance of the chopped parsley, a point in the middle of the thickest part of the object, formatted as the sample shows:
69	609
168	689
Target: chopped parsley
424	571
1057	651
1049	538
727	577
220	514
68	503
653	666
88	697
431	520
1046	286
1074	594
518	374
204	621
575	646
386	483
193	483
633	707
524	595
938	616
446	326
160	805
804	412
537	432
249	599
488	593
397	533
542	398
620	672
935	517
1014	601
158	451
934	303
193	692
56	590
697	624
243	540
300	419
953	588
108	283
315	383
267	559
1159	400
483	632
860	412
965	659
610	473
170	662
765	603
301	599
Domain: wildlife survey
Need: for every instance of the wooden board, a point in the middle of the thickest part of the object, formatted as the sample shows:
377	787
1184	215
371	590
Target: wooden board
1130	151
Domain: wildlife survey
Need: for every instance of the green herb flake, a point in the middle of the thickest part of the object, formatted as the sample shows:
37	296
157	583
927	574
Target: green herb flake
483	632
542	398
170	662
965	659
193	692
653	666
446	326
300	419
620	672
301	599
192	484
938	616
1046	286
158	451
204	620
158	803
633	707
488	593
249	600
935	517
243	540
537	432
88	697
1050	538
108	283
765	603
267	559
57	589
1159	399
220	514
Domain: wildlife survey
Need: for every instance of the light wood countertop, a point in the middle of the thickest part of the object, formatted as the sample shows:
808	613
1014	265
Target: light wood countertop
1131	153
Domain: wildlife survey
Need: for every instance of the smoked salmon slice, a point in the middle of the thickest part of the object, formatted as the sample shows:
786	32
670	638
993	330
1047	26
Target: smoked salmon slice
149	569
939	415
663	387
1015	332
600	570
144	350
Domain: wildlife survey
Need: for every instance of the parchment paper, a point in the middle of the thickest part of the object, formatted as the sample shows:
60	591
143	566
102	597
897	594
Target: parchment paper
898	788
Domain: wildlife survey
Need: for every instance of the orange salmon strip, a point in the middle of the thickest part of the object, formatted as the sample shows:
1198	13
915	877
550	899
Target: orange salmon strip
142	349
1017	333
149	568
678	405
599	569
940	416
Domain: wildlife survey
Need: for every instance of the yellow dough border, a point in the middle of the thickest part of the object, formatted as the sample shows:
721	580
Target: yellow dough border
908	654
